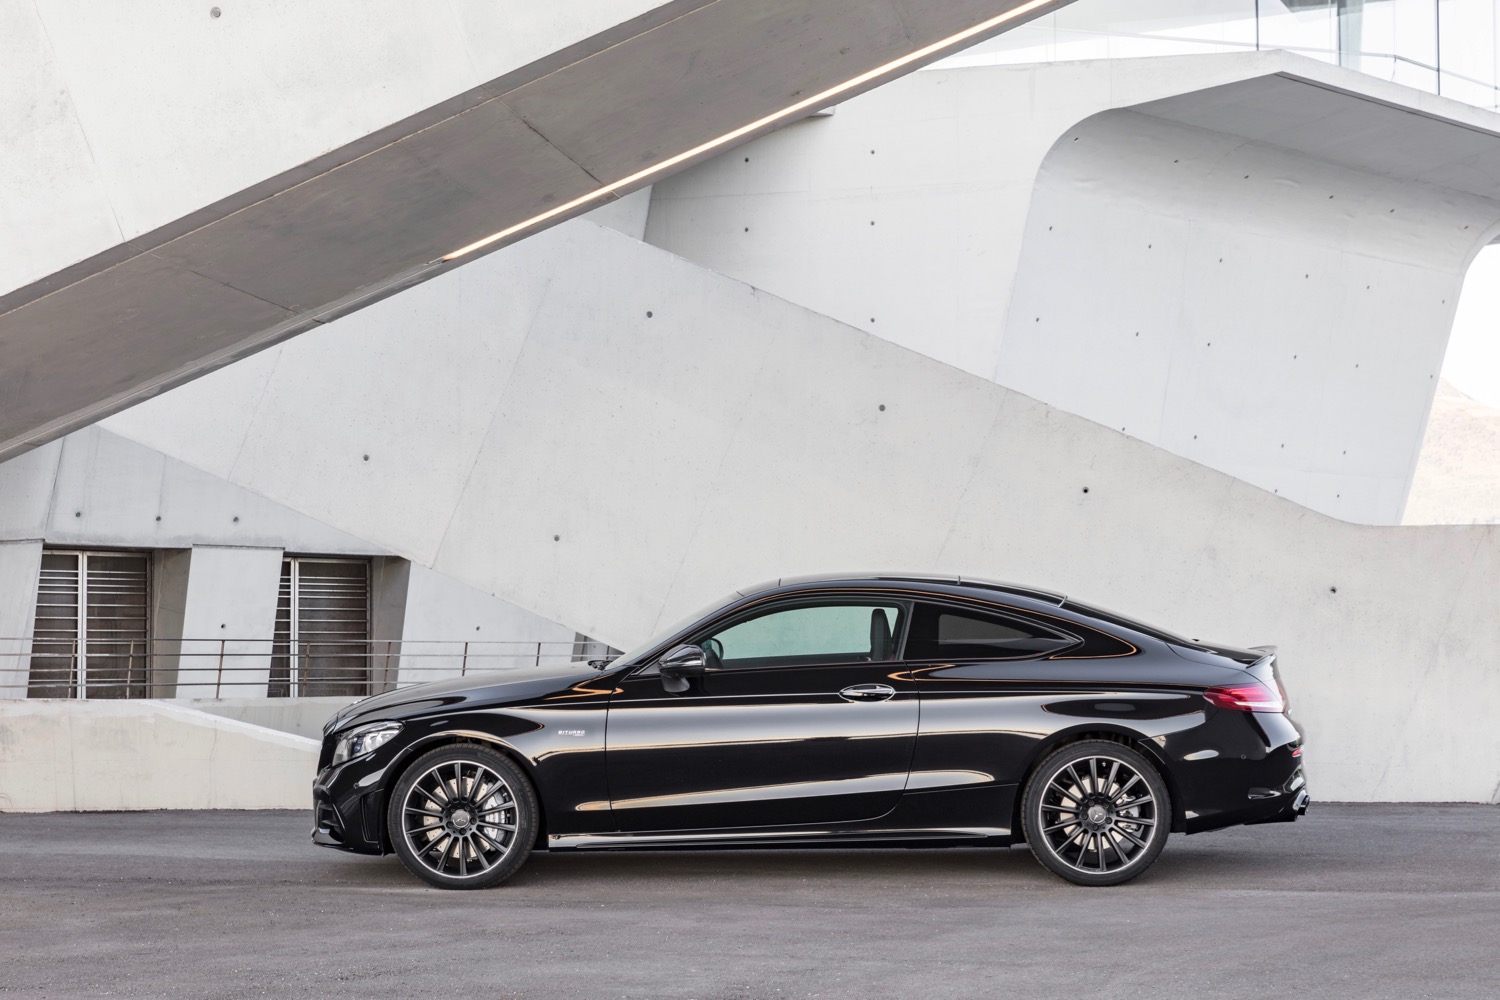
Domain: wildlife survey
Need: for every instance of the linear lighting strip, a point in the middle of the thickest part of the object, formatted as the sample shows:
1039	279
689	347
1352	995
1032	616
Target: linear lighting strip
820	99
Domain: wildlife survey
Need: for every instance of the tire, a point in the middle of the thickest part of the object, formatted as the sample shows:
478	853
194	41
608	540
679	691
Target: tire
462	817
1096	813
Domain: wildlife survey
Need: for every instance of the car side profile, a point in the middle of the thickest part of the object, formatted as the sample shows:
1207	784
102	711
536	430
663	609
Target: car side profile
933	711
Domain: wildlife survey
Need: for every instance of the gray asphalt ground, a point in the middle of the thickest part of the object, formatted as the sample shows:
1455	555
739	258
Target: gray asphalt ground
1352	901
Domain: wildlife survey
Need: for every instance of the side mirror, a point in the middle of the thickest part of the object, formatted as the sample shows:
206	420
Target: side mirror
680	664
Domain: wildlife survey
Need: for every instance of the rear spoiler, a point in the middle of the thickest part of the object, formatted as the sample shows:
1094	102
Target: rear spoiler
1264	670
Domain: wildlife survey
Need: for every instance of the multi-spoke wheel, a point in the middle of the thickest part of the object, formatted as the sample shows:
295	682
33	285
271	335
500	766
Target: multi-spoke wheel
462	817
1096	813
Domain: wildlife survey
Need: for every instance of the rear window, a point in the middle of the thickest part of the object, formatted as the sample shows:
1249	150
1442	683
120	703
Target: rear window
939	632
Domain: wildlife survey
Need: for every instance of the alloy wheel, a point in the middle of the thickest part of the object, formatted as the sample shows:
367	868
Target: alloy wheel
459	819
1098	814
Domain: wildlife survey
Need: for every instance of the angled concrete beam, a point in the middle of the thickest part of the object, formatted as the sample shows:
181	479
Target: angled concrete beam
582	126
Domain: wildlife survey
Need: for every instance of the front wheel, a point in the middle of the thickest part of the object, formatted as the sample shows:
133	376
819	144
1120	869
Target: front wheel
1096	813
462	817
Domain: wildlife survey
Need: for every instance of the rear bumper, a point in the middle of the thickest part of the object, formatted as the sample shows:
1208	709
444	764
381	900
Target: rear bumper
1283	804
1291	802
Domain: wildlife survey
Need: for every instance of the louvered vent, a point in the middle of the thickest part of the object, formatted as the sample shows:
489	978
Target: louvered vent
322	628
93	614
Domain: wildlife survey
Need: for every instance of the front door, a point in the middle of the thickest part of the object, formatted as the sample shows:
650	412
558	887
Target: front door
802	716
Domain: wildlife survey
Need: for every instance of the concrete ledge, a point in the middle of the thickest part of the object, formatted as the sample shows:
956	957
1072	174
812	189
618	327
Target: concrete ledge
298	716
124	755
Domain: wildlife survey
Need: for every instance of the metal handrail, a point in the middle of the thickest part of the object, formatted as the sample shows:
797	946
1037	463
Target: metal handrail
219	666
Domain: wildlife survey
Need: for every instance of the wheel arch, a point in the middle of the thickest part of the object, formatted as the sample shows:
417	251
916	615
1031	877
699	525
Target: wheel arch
457	737
1114	734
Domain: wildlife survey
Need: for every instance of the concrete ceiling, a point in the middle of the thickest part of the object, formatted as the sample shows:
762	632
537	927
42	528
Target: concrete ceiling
376	216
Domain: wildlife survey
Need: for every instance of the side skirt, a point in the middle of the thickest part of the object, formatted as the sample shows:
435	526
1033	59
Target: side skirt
931	836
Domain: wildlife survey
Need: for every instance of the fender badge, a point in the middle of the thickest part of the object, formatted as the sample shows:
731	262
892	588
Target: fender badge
572	732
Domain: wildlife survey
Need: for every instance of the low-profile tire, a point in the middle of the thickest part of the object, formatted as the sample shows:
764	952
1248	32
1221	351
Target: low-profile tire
1096	813
462	817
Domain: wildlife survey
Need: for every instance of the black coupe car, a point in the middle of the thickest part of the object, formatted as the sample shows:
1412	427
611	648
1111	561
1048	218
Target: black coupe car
849	710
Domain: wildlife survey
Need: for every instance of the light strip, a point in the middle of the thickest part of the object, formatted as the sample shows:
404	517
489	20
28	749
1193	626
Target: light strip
821	98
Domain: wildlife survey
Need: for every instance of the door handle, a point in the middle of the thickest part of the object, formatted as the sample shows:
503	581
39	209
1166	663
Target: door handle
868	692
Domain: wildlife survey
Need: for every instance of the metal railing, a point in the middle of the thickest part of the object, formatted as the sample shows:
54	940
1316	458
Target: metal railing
224	667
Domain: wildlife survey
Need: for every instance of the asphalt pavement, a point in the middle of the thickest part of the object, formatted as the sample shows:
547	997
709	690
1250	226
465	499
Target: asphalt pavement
1354	901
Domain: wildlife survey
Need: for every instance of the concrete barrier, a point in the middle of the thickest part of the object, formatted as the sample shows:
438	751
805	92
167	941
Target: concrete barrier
298	716
124	755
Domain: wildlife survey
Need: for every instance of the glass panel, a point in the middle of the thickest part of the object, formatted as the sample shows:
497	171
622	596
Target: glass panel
1467	36
939	633
828	632
1115	29
1310	27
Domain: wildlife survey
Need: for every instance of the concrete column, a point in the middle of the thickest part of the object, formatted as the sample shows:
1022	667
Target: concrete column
228	618
168	605
390	579
20	566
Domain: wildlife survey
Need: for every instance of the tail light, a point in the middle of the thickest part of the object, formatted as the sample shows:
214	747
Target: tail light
1251	697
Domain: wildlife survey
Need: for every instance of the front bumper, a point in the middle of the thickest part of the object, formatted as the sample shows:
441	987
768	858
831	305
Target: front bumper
346	816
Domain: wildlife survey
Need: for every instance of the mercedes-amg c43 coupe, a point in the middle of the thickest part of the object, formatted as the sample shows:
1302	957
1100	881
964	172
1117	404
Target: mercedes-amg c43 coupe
842	711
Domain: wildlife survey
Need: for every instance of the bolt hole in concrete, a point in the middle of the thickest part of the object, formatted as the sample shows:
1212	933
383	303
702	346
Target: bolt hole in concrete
882	407
214	12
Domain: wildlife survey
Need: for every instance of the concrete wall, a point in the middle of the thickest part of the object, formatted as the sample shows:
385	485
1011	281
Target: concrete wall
217	568
1182	248
70	755
441	611
95	488
231	597
609	436
90	162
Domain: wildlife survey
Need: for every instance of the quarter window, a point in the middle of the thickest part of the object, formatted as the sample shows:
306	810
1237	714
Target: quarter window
811	634
944	633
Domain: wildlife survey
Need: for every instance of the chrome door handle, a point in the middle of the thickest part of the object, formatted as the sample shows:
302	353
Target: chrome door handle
867	692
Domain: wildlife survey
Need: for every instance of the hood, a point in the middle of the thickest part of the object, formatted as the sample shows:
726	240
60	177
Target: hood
490	688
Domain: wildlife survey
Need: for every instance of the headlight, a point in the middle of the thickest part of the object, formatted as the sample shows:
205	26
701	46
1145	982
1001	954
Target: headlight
365	739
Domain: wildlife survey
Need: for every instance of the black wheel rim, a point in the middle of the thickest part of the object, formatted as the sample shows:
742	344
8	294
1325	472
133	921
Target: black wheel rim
459	819
1097	815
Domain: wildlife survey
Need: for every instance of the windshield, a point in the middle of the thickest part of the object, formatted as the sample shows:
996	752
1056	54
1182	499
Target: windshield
667	633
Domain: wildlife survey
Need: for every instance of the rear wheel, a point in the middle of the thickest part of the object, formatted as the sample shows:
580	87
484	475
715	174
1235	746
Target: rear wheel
1096	813
462	817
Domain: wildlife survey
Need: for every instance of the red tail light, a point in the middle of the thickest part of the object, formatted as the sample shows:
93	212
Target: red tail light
1251	697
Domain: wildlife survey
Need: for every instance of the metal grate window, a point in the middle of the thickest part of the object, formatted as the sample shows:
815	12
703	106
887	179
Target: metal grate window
322	628
92	635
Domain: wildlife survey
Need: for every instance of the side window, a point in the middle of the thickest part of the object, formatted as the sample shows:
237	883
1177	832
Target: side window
943	633
818	633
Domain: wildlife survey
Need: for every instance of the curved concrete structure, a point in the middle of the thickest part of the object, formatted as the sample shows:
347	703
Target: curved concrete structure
1251	260
611	436
182	243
